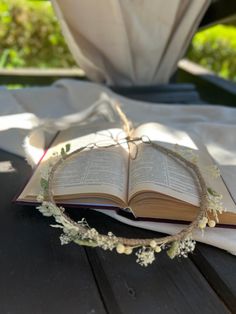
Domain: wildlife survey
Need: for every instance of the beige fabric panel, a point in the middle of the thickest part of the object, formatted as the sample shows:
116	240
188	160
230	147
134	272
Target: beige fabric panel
129	42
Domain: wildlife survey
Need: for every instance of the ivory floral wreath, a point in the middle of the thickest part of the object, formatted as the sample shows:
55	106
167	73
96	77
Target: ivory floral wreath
81	233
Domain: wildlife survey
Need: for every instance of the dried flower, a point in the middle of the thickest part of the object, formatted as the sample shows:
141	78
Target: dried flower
173	250
120	248
128	250
157	249
65	239
145	256
213	170
153	244
211	223
81	233
185	247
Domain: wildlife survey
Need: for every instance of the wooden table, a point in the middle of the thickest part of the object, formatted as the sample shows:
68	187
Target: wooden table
39	276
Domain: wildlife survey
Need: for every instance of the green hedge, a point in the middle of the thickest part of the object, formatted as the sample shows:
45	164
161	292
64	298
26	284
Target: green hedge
215	49
30	36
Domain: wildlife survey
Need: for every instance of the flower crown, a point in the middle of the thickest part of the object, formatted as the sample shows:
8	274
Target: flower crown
180	244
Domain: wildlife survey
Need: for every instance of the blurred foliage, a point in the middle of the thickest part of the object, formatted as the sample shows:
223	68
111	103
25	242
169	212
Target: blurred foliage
30	36
215	49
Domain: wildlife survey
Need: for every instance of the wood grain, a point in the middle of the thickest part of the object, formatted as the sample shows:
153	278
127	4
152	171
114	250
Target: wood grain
165	287
37	274
219	268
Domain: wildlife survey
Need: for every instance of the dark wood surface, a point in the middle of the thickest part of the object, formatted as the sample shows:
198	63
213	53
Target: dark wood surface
211	88
219	269
38	275
181	93
219	11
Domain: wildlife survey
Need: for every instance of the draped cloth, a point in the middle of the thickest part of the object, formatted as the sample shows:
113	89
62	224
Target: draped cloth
129	42
22	110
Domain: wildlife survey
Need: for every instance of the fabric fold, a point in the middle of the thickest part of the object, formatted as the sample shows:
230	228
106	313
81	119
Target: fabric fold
129	42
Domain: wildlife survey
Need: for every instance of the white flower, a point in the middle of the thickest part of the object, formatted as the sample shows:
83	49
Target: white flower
181	248
65	239
44	210
186	246
145	256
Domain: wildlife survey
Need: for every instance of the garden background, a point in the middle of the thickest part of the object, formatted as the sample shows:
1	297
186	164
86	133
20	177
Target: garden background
30	37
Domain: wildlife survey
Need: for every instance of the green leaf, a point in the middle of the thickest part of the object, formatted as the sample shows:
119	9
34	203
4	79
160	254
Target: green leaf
67	147
173	249
63	152
212	192
44	183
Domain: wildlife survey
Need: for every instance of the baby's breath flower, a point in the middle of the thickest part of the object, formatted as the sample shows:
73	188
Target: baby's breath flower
181	248
106	243
65	239
44	210
185	247
145	256
100	240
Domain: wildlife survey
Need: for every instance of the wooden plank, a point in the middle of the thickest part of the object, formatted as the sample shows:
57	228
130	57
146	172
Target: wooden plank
33	76
164	287
220	11
219	268
37	274
212	88
167	93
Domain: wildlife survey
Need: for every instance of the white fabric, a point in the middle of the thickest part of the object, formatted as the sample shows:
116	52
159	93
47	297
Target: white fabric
129	42
215	125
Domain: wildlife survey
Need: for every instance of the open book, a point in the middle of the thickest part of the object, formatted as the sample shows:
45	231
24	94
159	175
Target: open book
137	178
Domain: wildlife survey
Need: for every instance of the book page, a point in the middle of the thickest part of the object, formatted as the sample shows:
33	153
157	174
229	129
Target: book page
100	170
94	171
155	171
